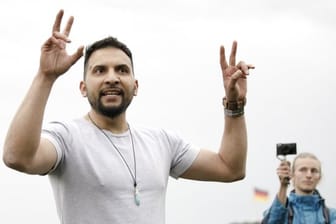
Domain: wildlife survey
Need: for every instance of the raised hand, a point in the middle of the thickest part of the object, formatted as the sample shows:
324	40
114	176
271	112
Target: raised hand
283	171
234	75
55	60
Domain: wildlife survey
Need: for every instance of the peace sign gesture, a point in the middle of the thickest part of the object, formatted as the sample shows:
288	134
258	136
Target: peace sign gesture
234	75
54	60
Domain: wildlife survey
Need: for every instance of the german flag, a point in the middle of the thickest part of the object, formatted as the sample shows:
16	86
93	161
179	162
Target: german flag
260	195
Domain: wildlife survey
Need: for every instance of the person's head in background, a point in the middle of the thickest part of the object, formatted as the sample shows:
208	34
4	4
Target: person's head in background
306	173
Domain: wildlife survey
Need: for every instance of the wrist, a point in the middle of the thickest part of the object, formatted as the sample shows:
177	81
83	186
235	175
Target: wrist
234	108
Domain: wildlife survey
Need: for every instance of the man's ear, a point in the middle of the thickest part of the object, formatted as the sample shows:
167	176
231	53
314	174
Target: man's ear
82	88
136	86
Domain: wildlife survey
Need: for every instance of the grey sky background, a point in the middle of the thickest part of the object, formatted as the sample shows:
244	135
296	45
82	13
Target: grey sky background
176	54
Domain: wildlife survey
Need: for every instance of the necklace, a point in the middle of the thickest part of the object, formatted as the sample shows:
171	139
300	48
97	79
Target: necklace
134	176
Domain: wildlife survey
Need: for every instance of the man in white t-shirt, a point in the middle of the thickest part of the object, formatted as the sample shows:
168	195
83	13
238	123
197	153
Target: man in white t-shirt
103	169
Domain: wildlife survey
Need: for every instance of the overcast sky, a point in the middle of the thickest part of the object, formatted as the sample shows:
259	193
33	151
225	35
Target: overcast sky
175	45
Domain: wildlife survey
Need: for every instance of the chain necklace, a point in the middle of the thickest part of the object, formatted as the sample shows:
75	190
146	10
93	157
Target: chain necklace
134	176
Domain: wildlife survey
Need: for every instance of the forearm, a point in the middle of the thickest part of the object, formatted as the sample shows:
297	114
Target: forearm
282	194
233	149
23	136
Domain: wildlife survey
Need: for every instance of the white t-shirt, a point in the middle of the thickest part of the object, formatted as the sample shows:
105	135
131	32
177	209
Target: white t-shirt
92	184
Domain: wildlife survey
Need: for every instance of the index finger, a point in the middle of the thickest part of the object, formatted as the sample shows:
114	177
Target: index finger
58	20
222	58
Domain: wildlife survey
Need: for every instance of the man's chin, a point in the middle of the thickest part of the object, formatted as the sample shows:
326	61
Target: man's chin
308	190
111	103
110	106
111	111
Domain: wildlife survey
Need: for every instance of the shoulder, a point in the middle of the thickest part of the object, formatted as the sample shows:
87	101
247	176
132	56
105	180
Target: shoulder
161	136
65	128
66	124
332	213
154	131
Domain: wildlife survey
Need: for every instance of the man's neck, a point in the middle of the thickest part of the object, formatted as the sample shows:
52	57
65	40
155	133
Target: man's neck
304	192
116	125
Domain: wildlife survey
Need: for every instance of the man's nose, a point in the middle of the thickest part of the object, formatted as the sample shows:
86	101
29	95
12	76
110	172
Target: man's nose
112	77
309	173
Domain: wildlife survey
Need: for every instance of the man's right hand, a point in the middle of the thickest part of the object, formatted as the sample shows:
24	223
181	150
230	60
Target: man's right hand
55	60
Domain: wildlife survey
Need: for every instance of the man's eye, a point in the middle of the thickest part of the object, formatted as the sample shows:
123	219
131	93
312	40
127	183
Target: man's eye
303	169
123	69
99	70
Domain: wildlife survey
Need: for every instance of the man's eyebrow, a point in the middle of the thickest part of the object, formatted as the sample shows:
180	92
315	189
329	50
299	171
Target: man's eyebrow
123	64
96	65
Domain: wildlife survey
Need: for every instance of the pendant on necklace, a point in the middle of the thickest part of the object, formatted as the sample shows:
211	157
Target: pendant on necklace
136	196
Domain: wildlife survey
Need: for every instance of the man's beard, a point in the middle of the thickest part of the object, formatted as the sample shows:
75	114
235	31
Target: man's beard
111	111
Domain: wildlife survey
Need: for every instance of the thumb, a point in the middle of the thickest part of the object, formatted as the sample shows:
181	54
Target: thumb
77	55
